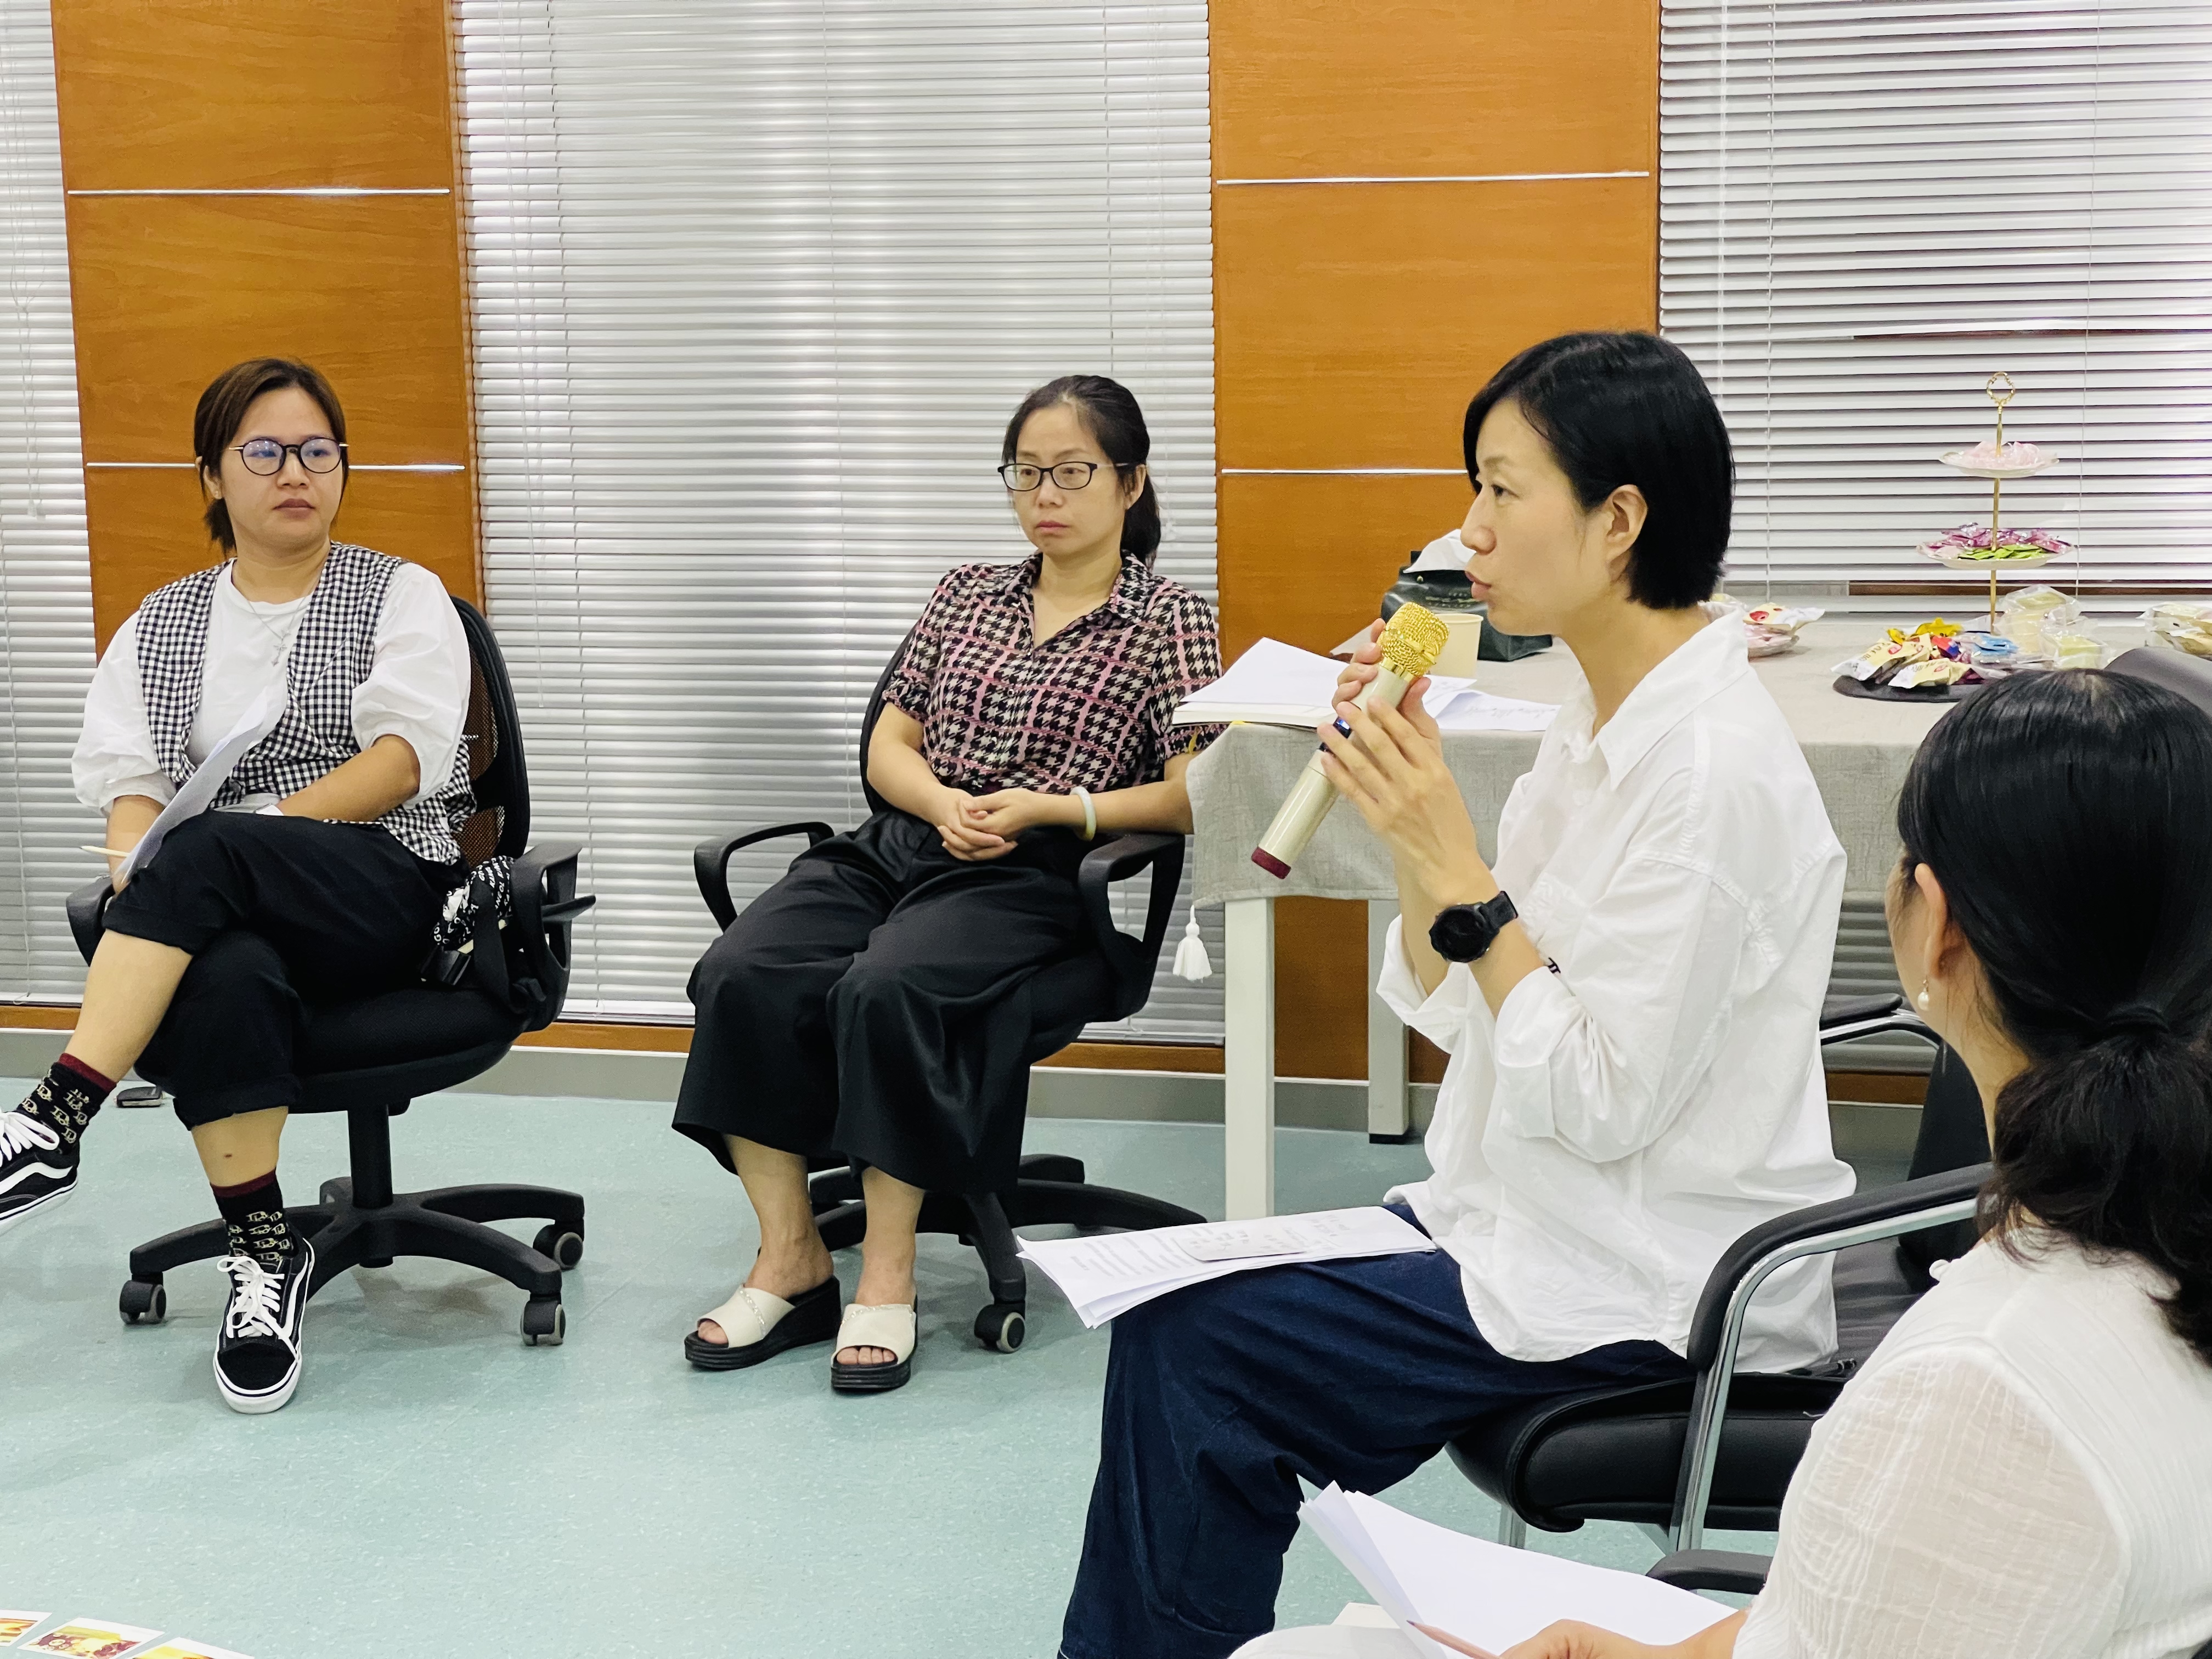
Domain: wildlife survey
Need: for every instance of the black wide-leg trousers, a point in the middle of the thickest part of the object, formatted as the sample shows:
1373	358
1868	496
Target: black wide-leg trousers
279	915
866	1005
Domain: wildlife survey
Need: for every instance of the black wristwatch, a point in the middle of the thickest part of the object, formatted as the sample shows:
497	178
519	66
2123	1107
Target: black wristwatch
1463	932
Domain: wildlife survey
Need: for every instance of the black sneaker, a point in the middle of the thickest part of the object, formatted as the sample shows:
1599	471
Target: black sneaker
257	1349
37	1169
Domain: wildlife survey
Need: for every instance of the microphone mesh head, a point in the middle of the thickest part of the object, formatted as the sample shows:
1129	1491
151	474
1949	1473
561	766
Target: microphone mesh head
1412	640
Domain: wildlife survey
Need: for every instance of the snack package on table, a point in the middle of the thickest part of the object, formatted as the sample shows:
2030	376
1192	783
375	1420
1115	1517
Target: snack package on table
1884	663
2033	619
2181	625
1768	629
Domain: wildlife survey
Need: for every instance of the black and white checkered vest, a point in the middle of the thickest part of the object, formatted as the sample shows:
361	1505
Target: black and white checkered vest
331	655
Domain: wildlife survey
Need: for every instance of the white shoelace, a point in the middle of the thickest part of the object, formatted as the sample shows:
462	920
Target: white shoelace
20	1132
255	1295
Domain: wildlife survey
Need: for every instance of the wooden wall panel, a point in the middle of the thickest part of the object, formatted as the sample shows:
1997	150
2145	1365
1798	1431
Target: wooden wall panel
1354	323
224	94
146	522
1365	88
170	290
1306	560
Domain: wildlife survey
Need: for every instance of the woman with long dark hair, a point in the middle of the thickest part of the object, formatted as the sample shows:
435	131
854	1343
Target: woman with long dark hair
862	1004
2023	1466
1630	997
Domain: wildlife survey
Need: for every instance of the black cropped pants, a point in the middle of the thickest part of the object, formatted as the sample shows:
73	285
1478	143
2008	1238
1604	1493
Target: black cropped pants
279	915
863	1004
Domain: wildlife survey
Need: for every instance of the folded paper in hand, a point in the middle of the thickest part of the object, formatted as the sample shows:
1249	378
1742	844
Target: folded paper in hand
1489	1596
196	793
1278	684
1113	1273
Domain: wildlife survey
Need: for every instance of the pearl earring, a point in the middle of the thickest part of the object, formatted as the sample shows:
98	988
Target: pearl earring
1921	1000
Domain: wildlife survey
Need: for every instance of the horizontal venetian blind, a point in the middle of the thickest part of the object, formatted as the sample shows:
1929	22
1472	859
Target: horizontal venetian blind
45	586
1867	208
755	288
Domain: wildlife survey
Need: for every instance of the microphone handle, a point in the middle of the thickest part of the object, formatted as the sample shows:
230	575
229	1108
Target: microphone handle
1312	797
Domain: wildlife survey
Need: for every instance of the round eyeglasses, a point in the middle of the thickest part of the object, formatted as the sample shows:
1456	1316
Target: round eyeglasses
1021	476
264	457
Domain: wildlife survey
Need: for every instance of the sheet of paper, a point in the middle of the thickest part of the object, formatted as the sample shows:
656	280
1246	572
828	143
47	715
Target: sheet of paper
174	1648
1272	683
1489	1595
1107	1275
197	793
13	1623
1471	710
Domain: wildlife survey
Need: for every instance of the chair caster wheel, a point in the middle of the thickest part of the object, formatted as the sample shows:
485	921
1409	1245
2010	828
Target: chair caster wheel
144	1302
1001	1326
544	1322
564	1248
335	1192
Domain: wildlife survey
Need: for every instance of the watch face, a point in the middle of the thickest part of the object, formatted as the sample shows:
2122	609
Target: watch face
1460	934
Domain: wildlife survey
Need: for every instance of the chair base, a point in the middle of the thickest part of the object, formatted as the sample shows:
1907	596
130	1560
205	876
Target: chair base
447	1223
1051	1190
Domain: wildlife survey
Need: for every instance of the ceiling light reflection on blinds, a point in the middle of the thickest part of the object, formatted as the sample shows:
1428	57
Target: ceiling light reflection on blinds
755	288
1867	208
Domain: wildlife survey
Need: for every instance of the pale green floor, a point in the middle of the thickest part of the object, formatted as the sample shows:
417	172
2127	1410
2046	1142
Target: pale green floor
436	1488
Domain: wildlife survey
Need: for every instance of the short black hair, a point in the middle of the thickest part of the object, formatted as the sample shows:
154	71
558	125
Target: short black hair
1631	408
221	412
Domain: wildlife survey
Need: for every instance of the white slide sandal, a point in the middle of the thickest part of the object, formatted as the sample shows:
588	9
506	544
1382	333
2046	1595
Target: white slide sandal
890	1328
759	1326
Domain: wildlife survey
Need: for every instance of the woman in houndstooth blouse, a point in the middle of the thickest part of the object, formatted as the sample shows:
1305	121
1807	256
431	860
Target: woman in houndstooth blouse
863	1003
321	872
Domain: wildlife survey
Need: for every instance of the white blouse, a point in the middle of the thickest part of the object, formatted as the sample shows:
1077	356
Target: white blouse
418	688
1601	1141
2023	1468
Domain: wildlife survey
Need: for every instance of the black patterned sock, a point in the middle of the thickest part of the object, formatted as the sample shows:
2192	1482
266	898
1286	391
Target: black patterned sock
254	1212
68	1097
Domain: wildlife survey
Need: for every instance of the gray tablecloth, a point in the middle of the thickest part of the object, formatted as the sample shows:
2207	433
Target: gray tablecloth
1858	750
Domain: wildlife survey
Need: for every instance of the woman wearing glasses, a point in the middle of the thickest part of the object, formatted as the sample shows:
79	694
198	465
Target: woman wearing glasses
322	872
861	1003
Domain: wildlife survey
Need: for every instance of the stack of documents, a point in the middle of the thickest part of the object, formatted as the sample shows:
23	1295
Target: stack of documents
1113	1273
1488	1595
1278	684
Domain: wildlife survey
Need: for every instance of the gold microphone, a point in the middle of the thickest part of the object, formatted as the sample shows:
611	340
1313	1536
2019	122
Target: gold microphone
1412	640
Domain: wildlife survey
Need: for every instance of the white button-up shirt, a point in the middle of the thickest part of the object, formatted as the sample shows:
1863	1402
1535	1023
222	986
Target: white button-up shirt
1601	1141
418	688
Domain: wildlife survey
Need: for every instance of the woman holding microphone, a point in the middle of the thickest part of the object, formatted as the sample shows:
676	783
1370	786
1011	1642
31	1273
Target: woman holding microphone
1629	994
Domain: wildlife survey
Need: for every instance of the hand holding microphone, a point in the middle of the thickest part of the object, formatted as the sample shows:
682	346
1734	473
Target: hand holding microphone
1408	649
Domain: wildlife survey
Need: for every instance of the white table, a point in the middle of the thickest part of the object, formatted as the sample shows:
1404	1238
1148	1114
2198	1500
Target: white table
1859	751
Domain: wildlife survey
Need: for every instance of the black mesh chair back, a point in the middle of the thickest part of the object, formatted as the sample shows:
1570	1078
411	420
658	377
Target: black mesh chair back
493	734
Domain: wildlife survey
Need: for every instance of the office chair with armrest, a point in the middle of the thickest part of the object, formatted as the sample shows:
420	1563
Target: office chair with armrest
371	1057
1677	1457
1111	978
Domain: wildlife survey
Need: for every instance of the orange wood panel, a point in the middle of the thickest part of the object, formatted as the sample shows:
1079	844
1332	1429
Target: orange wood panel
37	1017
222	94
1354	322
1306	560
169	291
585	1034
145	530
1305	88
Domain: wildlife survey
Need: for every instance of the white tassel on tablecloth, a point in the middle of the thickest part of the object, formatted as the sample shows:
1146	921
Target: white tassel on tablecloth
1191	960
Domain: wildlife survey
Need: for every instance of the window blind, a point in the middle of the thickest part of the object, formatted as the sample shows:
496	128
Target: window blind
755	288
1865	208
46	585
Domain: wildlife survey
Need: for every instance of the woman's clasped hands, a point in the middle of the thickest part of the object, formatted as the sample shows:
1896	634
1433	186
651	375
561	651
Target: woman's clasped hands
1392	769
976	829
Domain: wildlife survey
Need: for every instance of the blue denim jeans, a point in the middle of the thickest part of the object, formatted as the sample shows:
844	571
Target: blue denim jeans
1220	1397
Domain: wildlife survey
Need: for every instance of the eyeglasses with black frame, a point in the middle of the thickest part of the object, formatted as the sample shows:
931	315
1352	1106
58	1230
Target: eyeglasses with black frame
264	457
1022	477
